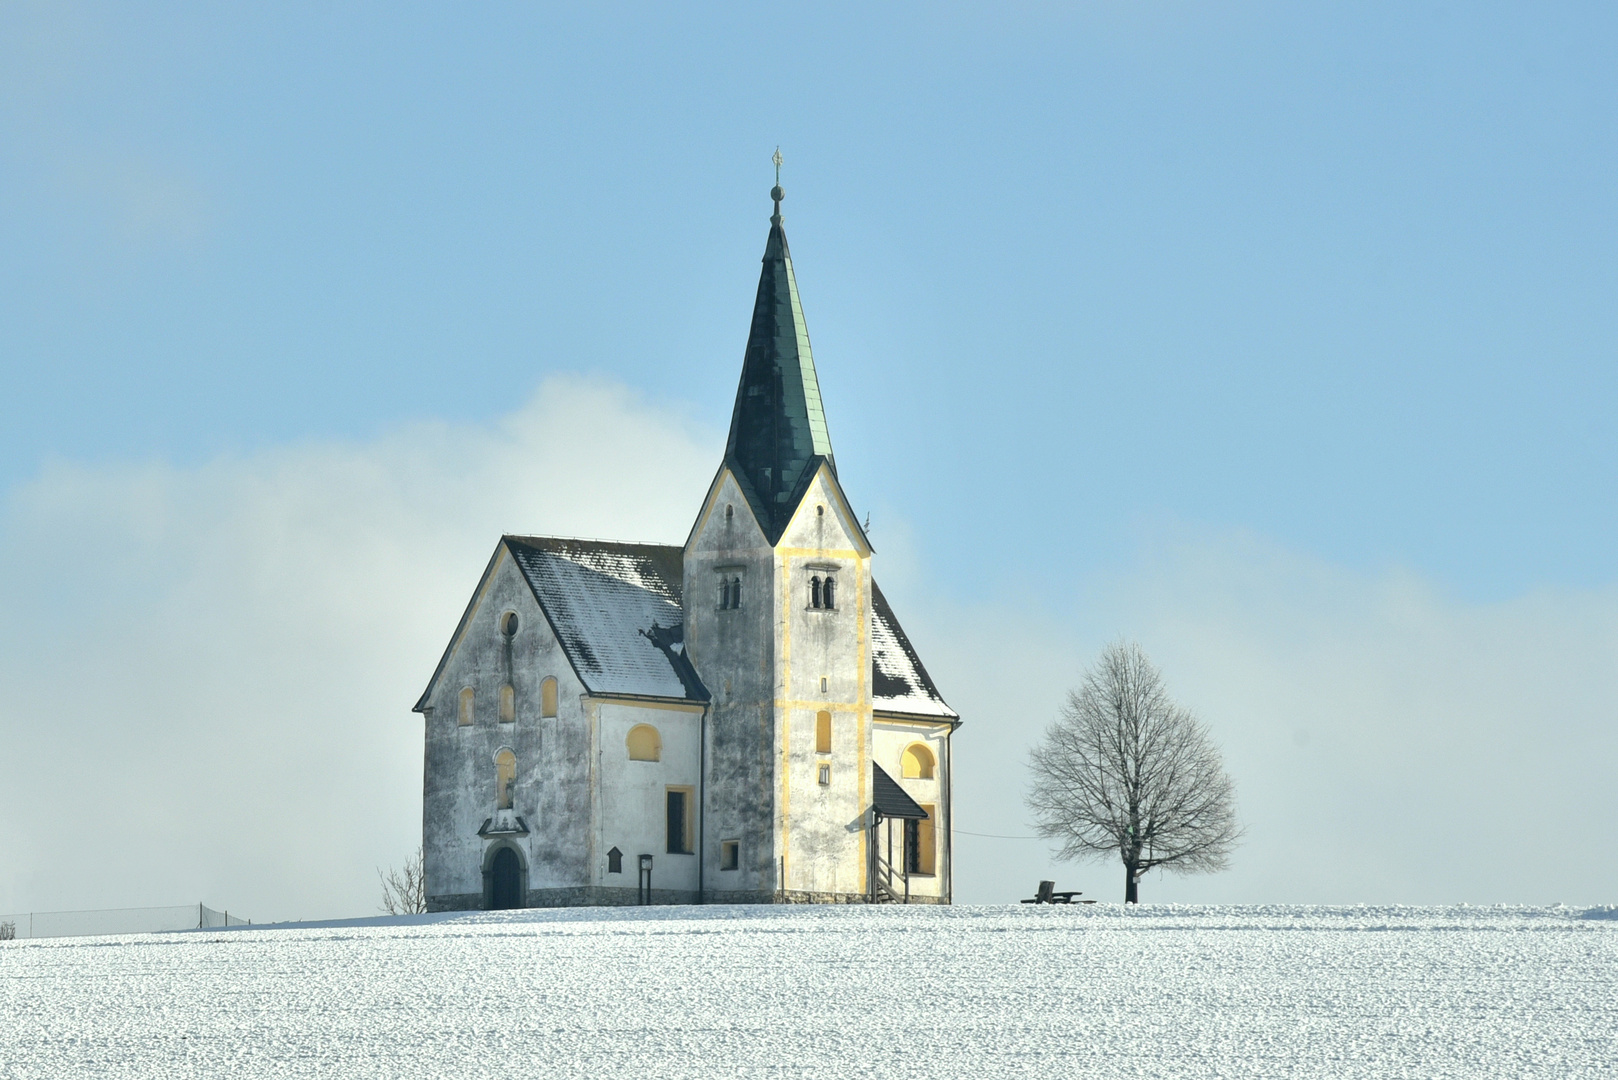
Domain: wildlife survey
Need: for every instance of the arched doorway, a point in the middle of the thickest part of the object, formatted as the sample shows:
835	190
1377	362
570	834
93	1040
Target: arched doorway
505	882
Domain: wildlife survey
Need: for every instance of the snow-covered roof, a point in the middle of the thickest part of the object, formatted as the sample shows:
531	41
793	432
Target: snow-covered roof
899	682
616	611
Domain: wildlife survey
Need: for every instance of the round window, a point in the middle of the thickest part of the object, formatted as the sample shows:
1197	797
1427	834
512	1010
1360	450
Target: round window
508	625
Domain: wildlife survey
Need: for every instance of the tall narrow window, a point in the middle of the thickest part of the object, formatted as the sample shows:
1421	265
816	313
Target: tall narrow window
814	591
505	778
644	744
547	697
466	707
921	848
508	704
917	763
679	821
736	592
827	597
823	732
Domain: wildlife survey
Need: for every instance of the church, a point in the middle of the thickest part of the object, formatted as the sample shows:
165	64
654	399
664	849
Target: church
740	719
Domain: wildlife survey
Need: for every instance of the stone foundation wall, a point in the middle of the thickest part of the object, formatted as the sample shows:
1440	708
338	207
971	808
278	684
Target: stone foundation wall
604	896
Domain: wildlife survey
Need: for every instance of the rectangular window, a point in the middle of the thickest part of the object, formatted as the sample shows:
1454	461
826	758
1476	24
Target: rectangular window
921	844
730	854
679	821
825	775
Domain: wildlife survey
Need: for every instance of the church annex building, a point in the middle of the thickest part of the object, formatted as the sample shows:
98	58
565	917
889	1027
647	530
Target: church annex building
738	720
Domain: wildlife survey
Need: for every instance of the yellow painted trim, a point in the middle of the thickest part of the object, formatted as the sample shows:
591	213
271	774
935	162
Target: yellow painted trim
642	703
861	733
690	818
809	553
784	719
713	500
828	480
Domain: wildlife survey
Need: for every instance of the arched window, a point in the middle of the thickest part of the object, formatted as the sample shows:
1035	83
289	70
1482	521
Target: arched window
466	707
823	732
826	596
730	512
547	697
735	592
505	778
508	704
917	763
644	743
814	591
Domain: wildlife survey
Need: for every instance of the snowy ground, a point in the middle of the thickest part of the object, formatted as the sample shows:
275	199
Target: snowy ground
884	992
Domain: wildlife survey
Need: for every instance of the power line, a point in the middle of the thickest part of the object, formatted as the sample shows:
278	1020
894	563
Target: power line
997	836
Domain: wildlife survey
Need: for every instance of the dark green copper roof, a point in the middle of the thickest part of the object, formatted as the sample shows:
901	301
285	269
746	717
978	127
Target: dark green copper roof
778	431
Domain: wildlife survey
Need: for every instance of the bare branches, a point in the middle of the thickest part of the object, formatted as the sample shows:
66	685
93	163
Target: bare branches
1124	769
404	892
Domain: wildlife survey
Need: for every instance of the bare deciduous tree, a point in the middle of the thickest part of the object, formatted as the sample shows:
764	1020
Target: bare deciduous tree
404	892
1126	771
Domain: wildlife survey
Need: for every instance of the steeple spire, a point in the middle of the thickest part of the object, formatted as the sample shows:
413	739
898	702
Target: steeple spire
778	431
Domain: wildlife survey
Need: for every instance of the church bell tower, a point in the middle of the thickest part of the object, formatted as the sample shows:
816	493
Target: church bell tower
777	597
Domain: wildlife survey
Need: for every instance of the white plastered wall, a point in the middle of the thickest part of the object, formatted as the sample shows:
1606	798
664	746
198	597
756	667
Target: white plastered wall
632	808
890	738
821	828
552	781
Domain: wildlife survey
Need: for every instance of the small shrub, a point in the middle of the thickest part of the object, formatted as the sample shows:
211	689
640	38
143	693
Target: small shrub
8	931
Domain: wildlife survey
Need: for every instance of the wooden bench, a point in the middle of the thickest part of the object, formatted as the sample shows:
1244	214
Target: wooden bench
1047	894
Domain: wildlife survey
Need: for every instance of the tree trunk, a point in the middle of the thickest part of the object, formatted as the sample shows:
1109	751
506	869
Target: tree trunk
1131	894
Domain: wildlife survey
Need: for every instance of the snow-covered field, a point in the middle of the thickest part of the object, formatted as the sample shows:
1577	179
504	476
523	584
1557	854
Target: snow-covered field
1167	992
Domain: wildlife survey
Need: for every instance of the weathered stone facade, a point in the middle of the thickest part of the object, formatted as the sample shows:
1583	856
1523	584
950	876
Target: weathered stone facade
722	710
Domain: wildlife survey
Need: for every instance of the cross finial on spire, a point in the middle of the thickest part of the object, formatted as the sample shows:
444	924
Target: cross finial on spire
775	192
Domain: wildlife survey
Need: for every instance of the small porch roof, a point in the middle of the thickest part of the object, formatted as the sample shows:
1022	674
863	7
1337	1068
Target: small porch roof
889	799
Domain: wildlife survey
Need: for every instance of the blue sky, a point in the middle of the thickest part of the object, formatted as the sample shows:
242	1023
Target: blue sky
1343	275
1086	283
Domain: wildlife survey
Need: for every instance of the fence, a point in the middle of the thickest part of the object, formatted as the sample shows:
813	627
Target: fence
149	920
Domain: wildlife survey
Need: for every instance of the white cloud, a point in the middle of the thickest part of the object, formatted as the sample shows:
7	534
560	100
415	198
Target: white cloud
1390	744
206	675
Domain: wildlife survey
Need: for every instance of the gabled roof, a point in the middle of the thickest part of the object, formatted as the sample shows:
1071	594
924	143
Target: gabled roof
616	612
899	682
891	800
778	435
